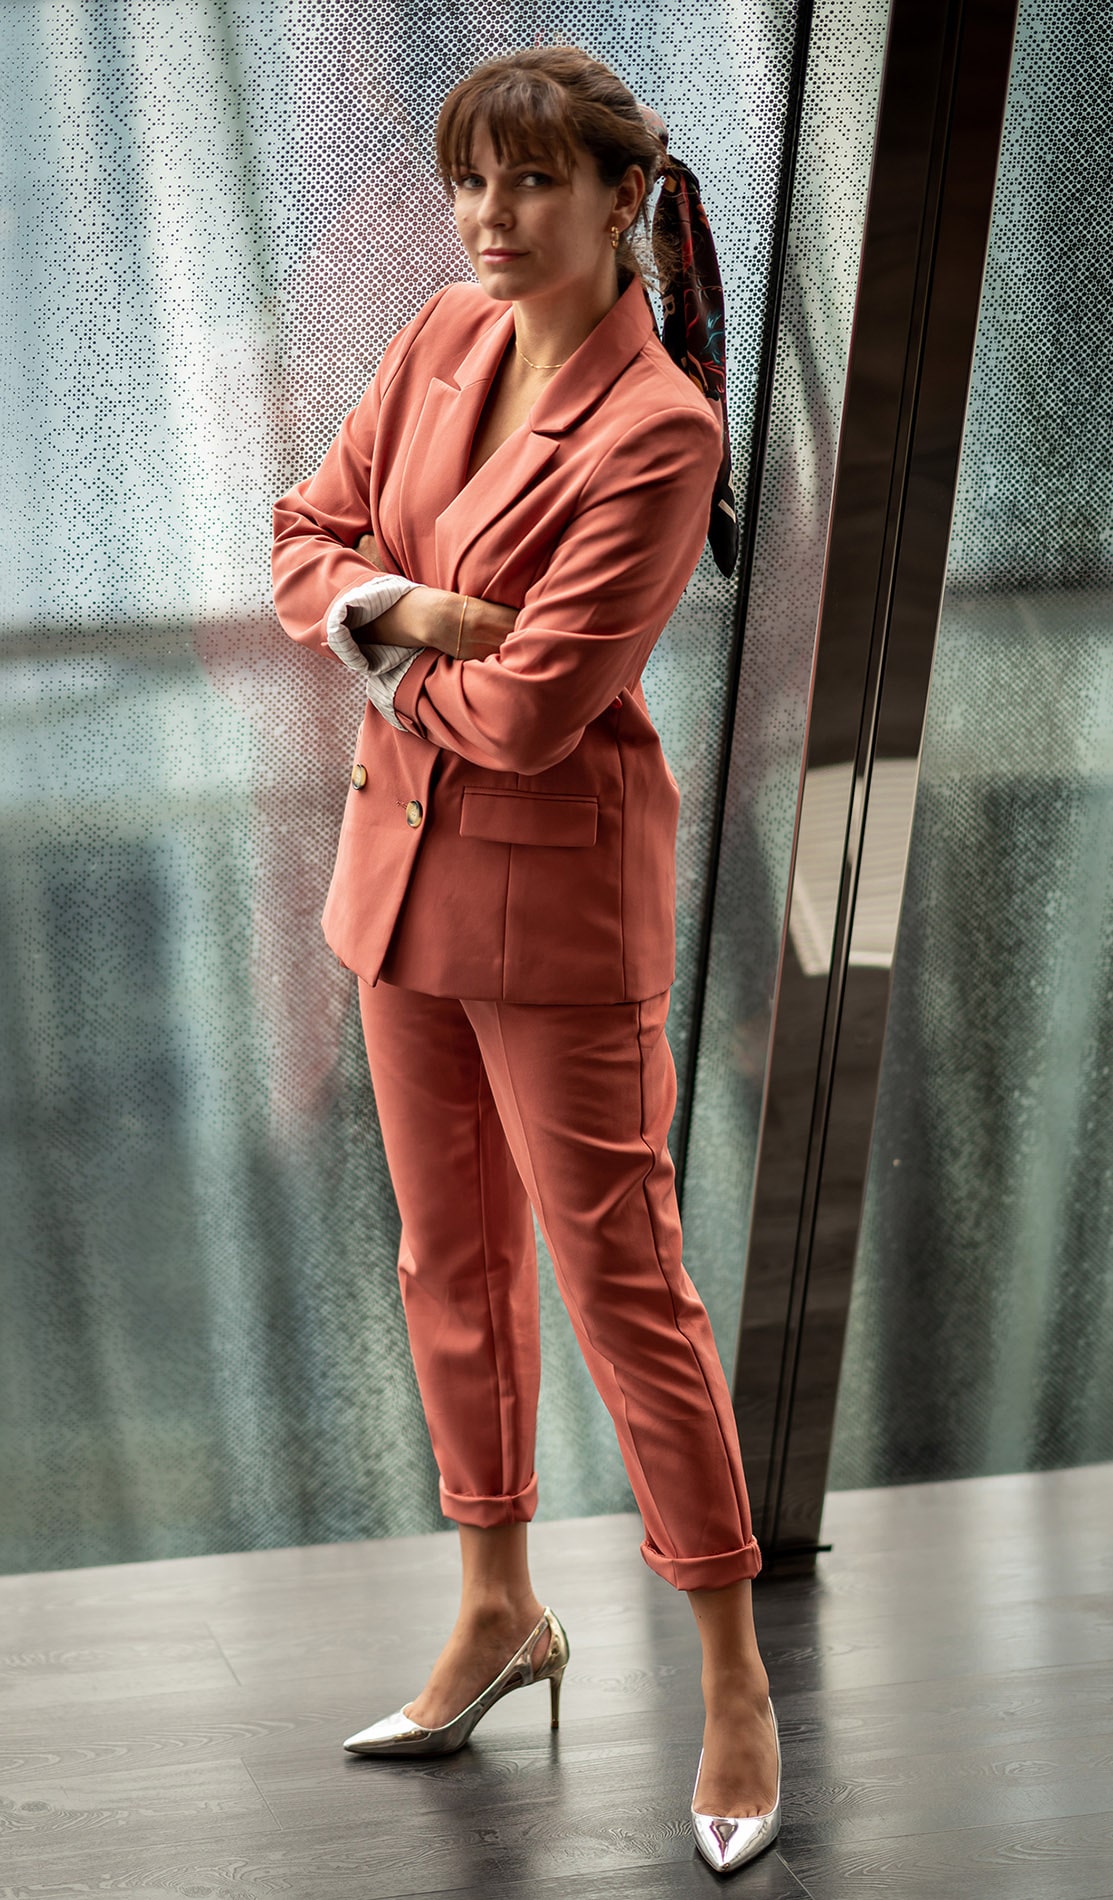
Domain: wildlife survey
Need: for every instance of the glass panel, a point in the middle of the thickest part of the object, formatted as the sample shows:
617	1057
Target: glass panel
217	217
981	1324
751	896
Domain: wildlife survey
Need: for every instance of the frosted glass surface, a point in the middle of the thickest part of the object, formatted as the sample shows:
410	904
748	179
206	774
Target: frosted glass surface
217	215
981	1326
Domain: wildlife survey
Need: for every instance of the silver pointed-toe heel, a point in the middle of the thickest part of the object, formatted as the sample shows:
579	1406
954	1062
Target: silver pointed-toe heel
397	1735
727	1841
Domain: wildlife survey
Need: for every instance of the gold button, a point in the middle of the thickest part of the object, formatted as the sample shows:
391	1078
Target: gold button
413	812
359	777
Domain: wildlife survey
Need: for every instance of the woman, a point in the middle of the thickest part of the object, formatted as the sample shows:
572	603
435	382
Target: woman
531	477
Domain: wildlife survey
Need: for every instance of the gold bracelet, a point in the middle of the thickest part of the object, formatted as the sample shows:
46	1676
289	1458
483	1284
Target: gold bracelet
460	628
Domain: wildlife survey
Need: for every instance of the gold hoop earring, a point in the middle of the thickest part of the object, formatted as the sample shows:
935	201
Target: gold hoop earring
614	237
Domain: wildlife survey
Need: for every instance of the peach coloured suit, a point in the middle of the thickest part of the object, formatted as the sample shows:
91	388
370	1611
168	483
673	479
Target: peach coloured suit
505	891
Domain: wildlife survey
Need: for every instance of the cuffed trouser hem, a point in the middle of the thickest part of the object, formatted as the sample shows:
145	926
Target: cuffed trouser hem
705	1573
484	1512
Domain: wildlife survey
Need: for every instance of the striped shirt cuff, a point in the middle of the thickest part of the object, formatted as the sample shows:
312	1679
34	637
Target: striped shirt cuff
384	664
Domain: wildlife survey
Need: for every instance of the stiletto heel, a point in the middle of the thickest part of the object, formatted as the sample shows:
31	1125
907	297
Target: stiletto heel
397	1735
554	1699
728	1841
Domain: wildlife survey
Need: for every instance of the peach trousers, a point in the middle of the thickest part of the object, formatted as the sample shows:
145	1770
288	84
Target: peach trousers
486	1108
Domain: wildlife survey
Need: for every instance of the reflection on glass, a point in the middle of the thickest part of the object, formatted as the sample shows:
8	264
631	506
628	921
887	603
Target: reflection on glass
982	1316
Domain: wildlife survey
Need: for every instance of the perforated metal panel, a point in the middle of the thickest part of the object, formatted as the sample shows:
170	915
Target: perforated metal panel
981	1325
218	215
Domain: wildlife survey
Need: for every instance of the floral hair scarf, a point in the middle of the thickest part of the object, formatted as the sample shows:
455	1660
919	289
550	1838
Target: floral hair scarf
693	331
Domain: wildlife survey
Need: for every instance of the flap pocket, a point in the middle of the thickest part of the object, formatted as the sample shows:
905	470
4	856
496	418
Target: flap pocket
527	817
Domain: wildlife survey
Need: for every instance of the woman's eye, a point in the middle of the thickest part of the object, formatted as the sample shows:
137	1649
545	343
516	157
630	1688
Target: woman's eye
472	178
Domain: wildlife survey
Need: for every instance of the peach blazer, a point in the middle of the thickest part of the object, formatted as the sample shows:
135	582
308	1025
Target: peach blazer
517	839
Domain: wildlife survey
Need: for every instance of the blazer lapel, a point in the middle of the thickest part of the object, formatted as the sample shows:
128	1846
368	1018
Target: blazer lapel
457	512
601	358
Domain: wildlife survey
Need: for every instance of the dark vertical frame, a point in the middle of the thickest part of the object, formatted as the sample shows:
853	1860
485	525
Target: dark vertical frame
939	124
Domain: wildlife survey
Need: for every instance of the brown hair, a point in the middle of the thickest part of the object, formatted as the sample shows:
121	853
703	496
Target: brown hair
547	100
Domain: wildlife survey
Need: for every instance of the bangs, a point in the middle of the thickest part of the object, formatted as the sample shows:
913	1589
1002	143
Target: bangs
526	115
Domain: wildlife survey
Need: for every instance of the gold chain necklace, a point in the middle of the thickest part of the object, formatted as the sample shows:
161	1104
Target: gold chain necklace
525	359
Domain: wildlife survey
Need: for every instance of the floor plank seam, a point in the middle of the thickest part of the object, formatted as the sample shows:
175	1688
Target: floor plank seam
255	1784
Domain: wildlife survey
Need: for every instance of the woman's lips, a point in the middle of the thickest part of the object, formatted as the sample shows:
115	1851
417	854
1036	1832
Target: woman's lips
499	257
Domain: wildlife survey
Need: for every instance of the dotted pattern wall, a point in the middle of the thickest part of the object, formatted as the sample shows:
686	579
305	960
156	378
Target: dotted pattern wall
218	215
981	1325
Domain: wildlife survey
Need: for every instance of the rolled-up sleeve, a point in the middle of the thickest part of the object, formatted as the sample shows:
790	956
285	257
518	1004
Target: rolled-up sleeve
380	664
589	623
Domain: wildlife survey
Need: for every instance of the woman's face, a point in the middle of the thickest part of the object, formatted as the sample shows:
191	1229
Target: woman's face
530	231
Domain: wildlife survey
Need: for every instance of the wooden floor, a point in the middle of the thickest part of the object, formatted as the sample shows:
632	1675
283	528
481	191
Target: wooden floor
944	1688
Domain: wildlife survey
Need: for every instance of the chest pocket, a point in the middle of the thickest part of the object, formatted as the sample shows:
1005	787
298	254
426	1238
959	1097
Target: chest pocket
507	817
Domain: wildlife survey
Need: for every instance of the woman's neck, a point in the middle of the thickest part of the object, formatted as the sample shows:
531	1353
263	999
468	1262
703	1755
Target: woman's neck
546	336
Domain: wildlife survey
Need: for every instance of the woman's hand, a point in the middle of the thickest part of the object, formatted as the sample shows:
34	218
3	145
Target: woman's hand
431	617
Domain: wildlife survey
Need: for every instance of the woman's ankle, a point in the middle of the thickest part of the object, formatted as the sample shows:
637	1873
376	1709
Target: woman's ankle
727	1684
500	1609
